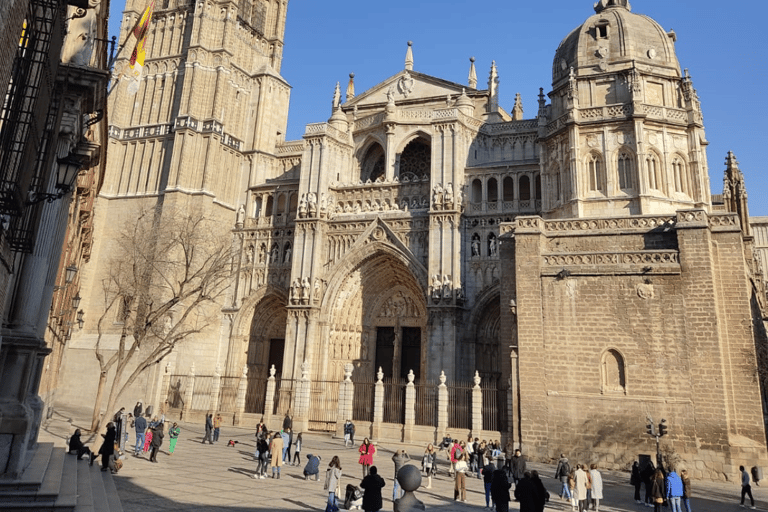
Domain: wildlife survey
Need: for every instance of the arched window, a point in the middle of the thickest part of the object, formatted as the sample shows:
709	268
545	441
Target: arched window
612	370
681	176
477	192
416	158
508	189
525	188
537	185
626	171
493	191
268	209
595	173
280	204
655	177
373	164
257	207
294	203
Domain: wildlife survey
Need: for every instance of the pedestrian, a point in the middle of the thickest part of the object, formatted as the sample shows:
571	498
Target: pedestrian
582	480
636	480
647	474
400	457
312	469
428	462
138	409
288	420
460	488
674	489
348	434
107	447
367	450
262	461
572	487
140	424
261	428
487	471
173	436
76	445
297	451
561	473
509	451
157	441
216	428
147	439
597	486
746	488
208	429
686	489
657	490
542	495
286	437
470	449
276	448
454	455
518	466
482	460
333	484
372	484
500	490
129	423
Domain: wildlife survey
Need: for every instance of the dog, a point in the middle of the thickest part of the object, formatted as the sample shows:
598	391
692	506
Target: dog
232	443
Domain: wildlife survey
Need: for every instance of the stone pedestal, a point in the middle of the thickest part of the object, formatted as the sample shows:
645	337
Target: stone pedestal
477	407
442	408
269	400
346	397
378	406
410	409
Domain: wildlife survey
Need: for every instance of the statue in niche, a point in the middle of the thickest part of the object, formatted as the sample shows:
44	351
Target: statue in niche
437	197
449	196
295	291
317	291
323	205
493	248
249	254
476	246
262	253
446	287
240	215
287	256
305	290
312	204
460	293
303	206
414	203
275	257
364	347
436	286
391	96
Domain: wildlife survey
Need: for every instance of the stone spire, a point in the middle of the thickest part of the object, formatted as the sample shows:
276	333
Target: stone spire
472	73
735	192
351	87
336	97
493	89
517	110
338	119
409	57
605	4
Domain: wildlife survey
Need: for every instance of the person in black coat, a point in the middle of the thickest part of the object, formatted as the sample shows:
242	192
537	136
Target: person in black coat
107	447
525	493
636	480
373	484
500	490
542	495
157	441
518	466
76	445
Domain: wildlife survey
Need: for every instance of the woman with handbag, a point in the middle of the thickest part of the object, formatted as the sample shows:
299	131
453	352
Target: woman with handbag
658	490
332	483
428	463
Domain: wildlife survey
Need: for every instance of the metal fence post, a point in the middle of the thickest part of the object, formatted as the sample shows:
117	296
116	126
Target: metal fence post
269	400
410	408
242	387
215	389
442	408
477	407
378	405
189	392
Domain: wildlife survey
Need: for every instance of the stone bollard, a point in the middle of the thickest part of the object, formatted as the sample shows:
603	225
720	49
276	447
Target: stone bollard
269	400
409	478
410	408
378	405
477	407
442	408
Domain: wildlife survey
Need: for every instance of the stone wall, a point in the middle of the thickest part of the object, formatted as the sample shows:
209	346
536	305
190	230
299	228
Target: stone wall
620	319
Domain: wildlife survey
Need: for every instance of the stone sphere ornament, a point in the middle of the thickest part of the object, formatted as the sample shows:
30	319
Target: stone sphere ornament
409	478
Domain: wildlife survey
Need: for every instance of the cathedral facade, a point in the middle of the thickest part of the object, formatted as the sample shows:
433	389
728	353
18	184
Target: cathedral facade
422	228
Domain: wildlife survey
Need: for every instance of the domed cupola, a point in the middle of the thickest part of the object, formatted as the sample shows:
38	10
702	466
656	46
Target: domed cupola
611	40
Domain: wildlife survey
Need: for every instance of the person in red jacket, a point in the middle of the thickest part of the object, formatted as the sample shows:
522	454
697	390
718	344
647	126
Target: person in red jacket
366	455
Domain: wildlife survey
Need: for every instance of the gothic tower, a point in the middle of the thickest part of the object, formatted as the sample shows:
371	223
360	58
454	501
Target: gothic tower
624	134
210	108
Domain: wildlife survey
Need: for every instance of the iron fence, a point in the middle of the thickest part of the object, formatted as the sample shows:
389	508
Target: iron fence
426	403
494	408
228	394
460	405
362	402
394	401
323	405
176	388
201	394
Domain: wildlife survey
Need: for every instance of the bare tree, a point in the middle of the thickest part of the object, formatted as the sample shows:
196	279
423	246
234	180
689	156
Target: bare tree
165	277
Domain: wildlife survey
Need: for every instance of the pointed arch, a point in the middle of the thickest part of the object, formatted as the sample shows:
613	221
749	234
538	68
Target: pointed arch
613	372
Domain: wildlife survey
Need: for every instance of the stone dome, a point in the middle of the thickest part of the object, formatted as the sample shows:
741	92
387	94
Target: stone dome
611	40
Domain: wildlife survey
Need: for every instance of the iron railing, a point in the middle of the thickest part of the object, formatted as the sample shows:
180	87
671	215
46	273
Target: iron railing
460	405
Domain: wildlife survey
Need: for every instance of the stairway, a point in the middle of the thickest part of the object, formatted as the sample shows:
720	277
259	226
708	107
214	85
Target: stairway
56	481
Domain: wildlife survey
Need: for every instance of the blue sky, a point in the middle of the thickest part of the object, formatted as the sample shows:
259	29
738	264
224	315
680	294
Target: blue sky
724	45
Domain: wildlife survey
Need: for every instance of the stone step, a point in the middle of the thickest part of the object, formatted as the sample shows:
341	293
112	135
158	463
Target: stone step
84	492
112	497
33	475
48	496
68	489
100	502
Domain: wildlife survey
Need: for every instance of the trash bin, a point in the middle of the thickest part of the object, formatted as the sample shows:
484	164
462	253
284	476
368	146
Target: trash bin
148	411
757	474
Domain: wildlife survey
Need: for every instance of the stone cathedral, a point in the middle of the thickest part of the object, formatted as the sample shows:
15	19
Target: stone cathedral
573	258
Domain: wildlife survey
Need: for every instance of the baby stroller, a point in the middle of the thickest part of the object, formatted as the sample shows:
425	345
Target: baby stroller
353	498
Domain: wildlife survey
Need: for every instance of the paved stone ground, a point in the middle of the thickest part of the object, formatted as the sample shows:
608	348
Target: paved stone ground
207	478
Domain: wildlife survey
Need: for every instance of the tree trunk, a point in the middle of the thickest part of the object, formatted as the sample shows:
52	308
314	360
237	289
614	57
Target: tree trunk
113	390
96	421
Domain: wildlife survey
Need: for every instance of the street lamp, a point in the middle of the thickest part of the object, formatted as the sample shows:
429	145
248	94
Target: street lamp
66	174
69	274
76	301
80	320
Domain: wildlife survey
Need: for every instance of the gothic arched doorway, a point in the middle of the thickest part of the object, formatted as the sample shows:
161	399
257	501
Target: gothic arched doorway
266	345
487	342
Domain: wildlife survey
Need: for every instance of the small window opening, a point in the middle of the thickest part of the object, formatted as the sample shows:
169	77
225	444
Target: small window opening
602	31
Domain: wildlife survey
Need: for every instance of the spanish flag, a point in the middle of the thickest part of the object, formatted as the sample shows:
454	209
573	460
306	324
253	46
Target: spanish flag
137	56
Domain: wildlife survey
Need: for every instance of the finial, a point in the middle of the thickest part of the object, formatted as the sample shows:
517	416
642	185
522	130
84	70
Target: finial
493	89
517	110
337	97
409	57
605	4
476	379
351	87
380	374
542	98
731	162
472	73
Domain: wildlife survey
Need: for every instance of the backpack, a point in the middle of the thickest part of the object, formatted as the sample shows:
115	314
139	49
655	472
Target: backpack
565	469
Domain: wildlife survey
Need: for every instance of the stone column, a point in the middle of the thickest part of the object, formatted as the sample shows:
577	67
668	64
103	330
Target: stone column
269	400
378	405
189	392
301	401
346	397
442	408
390	169
216	389
242	387
410	408
477	407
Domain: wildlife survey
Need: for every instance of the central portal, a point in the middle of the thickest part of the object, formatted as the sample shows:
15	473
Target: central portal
397	353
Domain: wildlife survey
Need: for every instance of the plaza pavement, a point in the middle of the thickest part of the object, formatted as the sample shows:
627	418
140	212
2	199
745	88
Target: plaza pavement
207	478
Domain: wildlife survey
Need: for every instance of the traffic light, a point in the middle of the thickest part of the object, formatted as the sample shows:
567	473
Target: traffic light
651	429
662	428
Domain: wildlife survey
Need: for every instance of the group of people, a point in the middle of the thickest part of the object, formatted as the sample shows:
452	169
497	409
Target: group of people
582	485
